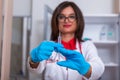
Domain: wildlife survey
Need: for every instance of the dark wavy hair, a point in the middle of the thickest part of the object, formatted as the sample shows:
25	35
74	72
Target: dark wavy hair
79	20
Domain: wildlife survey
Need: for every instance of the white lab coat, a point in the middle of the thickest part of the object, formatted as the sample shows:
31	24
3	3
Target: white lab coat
51	71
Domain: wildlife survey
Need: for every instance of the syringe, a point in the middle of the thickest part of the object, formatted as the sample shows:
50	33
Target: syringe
59	38
59	41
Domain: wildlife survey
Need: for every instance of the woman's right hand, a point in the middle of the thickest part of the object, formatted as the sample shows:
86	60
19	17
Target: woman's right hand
43	51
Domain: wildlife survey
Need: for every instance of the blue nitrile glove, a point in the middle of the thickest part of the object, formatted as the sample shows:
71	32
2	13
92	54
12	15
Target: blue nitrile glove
74	60
43	51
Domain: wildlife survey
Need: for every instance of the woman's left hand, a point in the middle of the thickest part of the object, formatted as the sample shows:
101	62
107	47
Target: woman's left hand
74	60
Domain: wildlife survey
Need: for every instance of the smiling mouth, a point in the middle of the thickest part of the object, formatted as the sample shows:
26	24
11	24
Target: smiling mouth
66	26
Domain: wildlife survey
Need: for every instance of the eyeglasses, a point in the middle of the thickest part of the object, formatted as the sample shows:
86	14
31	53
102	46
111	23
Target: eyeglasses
62	18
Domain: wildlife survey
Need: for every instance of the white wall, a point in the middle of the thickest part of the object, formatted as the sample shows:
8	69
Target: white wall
97	6
21	7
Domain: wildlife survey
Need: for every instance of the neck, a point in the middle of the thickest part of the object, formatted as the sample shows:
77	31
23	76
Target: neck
67	37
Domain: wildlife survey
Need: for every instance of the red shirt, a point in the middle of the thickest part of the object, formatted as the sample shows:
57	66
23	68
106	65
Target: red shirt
71	44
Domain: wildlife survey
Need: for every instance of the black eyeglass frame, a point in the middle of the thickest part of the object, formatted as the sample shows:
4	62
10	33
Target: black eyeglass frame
71	18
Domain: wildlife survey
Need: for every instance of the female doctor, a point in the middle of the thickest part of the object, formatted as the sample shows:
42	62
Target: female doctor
66	56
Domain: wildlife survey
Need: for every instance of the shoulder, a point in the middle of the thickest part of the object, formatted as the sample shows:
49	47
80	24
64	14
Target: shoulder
89	50
87	43
88	47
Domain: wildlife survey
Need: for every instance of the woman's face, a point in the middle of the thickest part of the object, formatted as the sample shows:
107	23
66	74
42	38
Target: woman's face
67	21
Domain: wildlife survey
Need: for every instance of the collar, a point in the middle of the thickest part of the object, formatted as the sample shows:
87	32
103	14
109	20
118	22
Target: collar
71	44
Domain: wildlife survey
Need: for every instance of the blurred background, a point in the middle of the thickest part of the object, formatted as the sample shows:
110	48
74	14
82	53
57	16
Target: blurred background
31	25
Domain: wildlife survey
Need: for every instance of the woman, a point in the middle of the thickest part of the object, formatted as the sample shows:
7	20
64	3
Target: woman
71	58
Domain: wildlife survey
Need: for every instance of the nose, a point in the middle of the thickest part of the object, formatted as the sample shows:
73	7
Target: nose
66	19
